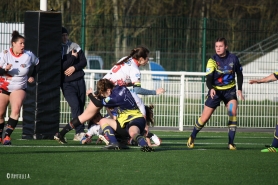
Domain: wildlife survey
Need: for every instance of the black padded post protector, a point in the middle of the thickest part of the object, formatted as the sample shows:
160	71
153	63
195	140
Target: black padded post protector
41	107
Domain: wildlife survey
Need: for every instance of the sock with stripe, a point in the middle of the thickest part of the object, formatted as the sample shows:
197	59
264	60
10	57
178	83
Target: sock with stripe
232	125
198	126
140	140
109	132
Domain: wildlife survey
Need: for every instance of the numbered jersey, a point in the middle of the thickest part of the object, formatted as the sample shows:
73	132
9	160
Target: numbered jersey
127	74
124	104
16	77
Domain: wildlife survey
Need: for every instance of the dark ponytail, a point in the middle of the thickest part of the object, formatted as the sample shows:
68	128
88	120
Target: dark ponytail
136	53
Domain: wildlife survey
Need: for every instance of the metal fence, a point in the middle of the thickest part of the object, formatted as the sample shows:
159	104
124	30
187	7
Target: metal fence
183	101
180	44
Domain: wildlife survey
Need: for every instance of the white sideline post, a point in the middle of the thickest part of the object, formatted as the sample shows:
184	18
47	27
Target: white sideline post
92	84
181	103
43	5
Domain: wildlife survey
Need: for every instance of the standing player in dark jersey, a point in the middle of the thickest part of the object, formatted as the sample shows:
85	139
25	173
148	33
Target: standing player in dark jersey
220	73
271	78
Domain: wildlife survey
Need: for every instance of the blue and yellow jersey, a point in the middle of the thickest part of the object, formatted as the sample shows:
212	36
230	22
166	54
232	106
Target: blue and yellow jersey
122	100
223	70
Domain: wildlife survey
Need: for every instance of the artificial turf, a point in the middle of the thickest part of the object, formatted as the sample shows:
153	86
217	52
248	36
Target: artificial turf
210	162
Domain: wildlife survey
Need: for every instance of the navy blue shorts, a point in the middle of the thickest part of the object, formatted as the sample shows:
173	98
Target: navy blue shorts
221	95
139	122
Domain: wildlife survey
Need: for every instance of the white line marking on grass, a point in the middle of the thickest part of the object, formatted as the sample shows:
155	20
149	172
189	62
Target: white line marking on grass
245	137
197	143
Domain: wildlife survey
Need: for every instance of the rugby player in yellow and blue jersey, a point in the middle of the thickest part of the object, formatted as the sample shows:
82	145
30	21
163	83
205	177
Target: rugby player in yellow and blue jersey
129	121
221	70
271	78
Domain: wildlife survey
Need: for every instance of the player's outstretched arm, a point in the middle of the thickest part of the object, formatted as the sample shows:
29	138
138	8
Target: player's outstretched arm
267	79
142	91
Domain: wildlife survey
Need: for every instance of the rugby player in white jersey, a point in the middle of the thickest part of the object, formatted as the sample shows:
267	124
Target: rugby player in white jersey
15	64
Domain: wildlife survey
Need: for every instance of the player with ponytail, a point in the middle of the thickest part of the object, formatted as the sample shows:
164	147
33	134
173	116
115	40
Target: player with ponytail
15	64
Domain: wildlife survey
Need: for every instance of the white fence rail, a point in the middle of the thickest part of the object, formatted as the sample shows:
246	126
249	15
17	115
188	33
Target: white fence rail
183	101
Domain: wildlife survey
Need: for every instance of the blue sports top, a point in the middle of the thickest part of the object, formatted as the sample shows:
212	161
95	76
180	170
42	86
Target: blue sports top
222	70
123	102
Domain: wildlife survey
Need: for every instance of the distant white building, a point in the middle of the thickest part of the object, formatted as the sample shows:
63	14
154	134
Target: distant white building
268	63
263	66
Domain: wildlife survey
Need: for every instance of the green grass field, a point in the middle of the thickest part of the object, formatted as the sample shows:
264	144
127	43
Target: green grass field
210	162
